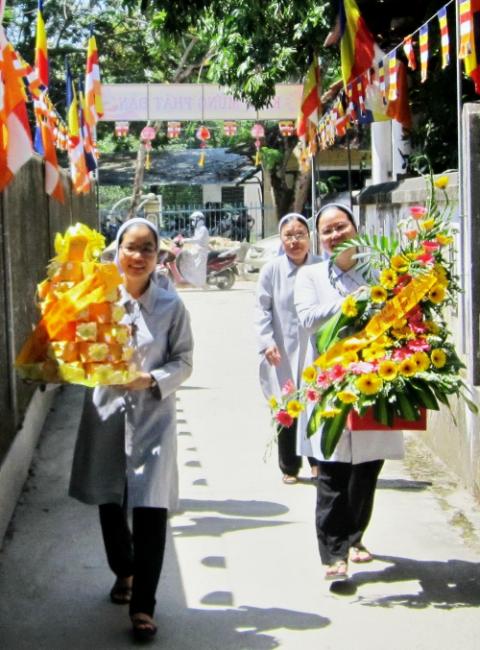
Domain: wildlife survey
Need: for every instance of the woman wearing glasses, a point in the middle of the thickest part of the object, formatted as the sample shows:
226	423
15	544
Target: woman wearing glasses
347	481
280	342
125	454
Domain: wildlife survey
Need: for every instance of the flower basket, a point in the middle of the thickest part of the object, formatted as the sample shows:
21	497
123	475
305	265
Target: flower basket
367	422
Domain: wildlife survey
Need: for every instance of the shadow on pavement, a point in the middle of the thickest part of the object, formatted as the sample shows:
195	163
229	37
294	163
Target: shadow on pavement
402	484
444	585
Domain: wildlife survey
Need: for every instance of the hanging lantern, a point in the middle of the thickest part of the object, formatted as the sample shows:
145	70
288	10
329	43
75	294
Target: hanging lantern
257	132
147	134
202	134
230	128
121	129
287	128
173	129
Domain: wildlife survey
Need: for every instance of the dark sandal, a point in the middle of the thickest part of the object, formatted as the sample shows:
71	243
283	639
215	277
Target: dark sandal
121	592
143	627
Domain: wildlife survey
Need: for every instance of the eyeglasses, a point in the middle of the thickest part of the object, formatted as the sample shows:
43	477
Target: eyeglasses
298	236
145	251
339	228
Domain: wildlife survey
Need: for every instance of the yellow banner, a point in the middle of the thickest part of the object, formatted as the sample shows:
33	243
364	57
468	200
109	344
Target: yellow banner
394	310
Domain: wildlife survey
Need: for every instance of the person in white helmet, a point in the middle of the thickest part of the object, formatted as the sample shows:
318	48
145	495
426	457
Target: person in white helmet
193	266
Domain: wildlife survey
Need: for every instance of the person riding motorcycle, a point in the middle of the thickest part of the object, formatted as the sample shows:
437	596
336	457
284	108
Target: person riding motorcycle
194	259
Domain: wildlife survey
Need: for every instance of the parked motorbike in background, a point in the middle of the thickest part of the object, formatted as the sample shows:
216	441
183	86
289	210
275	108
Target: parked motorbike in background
221	265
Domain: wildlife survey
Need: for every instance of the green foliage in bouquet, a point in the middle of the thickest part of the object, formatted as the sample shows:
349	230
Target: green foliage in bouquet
388	349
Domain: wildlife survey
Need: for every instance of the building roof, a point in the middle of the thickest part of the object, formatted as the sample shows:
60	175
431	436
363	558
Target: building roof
221	167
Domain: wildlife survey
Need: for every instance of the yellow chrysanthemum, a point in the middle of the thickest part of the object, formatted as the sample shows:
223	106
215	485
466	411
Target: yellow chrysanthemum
407	367
294	408
349	307
441	182
437	294
347	397
383	341
348	358
399	263
432	327
372	353
369	384
438	358
309	374
272	402
330	413
444	240
388	278
427	224
421	360
378	294
387	370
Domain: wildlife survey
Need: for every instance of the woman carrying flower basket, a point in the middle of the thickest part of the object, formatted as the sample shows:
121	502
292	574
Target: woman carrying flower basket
347	479
125	455
281	343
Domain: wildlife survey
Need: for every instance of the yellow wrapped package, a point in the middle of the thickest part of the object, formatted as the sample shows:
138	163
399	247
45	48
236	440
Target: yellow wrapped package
79	339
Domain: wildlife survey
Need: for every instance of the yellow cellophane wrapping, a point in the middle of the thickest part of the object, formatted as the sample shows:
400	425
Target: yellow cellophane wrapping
79	339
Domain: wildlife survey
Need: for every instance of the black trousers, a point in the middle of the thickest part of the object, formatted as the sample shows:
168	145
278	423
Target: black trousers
138	553
288	460
345	495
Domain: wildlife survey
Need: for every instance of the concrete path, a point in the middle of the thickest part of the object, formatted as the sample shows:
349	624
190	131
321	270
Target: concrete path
242	569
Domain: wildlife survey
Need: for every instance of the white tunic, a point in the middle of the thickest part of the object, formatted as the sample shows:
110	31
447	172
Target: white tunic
129	437
316	300
276	323
192	261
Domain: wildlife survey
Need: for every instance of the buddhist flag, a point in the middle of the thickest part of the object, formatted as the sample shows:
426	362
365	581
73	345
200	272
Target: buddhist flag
53	179
41	50
15	137
78	168
86	133
93	87
392	76
357	45
409	52
472	60
423	52
311	102
444	36
466	29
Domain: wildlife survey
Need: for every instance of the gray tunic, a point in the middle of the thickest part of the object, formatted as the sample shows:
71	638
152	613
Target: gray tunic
316	300
129	437
276	323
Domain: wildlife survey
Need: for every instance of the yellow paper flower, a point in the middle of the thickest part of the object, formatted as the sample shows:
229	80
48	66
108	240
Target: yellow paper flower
309	374
438	357
272	402
294	408
399	263
347	397
387	370
378	294
427	224
349	307
422	361
369	384
330	413
407	367
437	294
388	278
441	182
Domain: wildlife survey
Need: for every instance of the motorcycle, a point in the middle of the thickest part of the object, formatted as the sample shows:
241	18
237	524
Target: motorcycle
221	265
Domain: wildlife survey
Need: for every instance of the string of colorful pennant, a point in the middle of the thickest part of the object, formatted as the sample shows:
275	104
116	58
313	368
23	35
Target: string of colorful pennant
371	96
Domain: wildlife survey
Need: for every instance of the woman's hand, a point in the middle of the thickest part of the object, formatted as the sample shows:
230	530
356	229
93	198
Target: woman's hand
141	382
272	355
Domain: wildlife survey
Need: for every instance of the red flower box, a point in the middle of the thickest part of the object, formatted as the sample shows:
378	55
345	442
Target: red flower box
356	422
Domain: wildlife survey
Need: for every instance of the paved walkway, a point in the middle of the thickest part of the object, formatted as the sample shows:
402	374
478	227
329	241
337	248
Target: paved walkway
242	570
